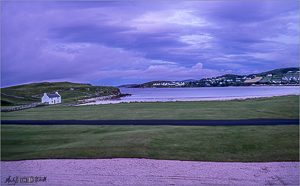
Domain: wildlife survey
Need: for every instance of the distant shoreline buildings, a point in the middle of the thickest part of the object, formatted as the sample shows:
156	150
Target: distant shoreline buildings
275	77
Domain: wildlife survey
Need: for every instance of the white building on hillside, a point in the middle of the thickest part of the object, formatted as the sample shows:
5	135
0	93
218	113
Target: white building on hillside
51	98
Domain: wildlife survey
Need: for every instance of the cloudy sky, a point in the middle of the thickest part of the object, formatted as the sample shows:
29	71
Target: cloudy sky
119	42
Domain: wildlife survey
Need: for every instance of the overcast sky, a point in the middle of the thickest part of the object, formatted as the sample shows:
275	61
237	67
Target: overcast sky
119	42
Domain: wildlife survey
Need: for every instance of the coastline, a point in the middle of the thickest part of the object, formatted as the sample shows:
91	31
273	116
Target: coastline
228	98
101	98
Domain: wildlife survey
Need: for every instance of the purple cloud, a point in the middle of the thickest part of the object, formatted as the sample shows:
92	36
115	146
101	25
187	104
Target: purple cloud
115	42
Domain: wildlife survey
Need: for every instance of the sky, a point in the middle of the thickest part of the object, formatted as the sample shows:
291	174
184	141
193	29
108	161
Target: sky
123	42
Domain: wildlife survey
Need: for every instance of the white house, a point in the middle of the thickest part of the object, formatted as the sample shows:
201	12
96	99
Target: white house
51	98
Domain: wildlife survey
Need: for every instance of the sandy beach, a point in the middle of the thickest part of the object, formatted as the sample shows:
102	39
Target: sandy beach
127	171
196	94
116	101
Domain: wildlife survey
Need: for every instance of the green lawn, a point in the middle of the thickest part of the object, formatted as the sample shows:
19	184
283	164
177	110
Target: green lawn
231	143
285	107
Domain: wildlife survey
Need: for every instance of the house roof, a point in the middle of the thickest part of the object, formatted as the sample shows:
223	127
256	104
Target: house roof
53	95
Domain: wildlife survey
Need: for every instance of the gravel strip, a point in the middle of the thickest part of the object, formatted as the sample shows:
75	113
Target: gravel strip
130	171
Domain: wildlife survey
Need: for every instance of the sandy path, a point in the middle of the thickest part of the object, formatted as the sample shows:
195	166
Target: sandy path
151	172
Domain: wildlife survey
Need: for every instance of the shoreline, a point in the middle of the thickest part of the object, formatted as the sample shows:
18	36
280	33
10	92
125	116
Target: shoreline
154	100
262	85
101	98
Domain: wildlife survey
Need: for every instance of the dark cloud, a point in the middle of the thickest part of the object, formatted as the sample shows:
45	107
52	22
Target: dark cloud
109	42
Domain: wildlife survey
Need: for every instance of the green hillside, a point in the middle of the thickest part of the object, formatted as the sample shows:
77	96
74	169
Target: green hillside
278	72
70	92
283	76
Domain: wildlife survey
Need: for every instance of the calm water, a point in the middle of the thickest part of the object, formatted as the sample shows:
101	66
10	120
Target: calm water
201	94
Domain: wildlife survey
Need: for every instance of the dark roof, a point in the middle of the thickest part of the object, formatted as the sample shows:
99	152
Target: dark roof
53	95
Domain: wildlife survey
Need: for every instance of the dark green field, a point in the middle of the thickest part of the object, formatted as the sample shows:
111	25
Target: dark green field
231	143
238	143
285	107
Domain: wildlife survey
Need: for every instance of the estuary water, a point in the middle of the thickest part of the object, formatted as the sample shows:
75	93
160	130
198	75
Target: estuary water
200	94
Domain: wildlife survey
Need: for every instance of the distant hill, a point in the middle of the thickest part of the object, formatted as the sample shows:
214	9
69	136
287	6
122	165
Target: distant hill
70	92
127	85
230	76
278	72
284	76
188	80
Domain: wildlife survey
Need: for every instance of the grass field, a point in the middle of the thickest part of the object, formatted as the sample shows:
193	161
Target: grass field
238	143
285	107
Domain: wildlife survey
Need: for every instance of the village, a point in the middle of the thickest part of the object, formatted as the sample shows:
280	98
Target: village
288	78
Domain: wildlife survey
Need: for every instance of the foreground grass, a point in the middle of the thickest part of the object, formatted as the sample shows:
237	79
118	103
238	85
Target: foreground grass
234	143
285	107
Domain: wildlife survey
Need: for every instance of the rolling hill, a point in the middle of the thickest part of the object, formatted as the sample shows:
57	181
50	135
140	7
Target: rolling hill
282	76
70	92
